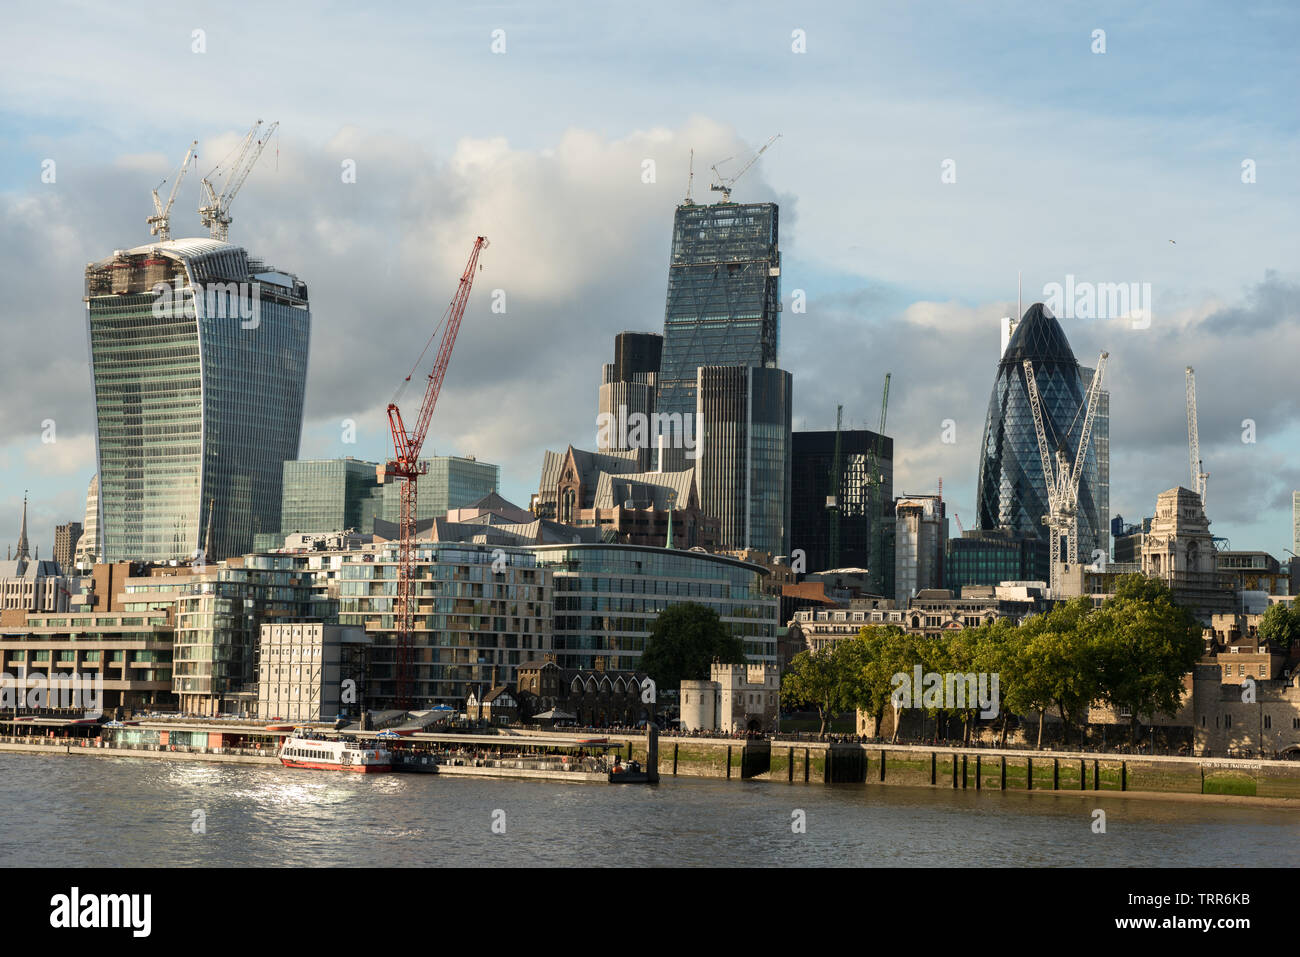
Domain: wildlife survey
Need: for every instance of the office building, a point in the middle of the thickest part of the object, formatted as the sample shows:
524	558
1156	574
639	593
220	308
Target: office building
87	552
626	403
744	455
920	545
451	482
608	596
65	544
723	304
861	534
199	363
993	556
1011	488
303	668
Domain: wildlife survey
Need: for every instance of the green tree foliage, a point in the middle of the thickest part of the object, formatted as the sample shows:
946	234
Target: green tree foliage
683	642
1280	627
1145	644
821	679
1133	652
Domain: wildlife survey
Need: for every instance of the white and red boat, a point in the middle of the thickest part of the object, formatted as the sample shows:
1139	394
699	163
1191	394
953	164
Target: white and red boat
322	754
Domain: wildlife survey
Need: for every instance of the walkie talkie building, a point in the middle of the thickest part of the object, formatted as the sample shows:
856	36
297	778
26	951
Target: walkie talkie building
199	365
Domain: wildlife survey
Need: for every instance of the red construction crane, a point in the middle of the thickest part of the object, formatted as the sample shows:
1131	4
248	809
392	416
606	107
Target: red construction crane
406	465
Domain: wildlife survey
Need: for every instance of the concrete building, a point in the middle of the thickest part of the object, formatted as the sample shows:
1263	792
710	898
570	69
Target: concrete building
736	698
65	545
128	658
310	671
723	303
199	364
626	402
920	544
744	454
1180	552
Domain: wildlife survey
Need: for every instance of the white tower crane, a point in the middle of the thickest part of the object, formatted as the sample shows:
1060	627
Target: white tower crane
724	183
160	221
1194	438
1062	479
215	211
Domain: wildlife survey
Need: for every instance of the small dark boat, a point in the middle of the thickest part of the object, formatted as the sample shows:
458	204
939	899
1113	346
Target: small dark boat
630	773
413	763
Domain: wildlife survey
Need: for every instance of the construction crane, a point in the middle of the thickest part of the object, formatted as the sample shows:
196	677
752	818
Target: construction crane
725	183
876	557
160	221
833	500
406	465
215	211
1194	439
1062	478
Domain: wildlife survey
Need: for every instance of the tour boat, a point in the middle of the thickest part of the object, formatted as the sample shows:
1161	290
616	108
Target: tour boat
319	754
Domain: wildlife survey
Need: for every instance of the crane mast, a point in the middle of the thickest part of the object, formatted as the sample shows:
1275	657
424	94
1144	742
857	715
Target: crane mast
406	465
215	211
1061	479
1194	439
160	221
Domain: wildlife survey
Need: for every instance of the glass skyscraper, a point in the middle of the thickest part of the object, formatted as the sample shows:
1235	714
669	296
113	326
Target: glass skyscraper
1012	492
199	364
813	460
744	465
724	299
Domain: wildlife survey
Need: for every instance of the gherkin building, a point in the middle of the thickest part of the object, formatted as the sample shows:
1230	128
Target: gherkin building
1012	491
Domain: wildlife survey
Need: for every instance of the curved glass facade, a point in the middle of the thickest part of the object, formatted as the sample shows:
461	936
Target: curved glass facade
607	597
199	365
1012	492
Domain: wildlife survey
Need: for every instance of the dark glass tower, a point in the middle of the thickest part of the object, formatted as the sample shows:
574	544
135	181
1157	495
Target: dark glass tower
813	459
1012	491
724	297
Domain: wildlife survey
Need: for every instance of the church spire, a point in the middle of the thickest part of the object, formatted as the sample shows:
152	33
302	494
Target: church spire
23	548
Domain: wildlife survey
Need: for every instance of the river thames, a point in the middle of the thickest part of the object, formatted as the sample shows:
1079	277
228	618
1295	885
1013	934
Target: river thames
58	811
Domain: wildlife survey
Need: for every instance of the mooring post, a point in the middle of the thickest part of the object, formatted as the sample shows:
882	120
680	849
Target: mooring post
1029	774
1056	774
791	768
934	768
1096	774
728	762
1004	772
651	753
954	771
882	764
1123	775
978	773
1083	774
806	764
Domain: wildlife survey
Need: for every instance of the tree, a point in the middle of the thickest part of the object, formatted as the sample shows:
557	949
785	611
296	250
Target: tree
1280	627
684	641
1145	645
870	659
819	678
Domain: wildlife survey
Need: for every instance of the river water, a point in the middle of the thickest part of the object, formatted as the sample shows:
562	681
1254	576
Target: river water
58	811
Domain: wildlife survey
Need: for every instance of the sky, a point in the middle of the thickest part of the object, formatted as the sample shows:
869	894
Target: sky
929	156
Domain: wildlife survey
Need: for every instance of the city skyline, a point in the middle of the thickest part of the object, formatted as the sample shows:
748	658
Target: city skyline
903	271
